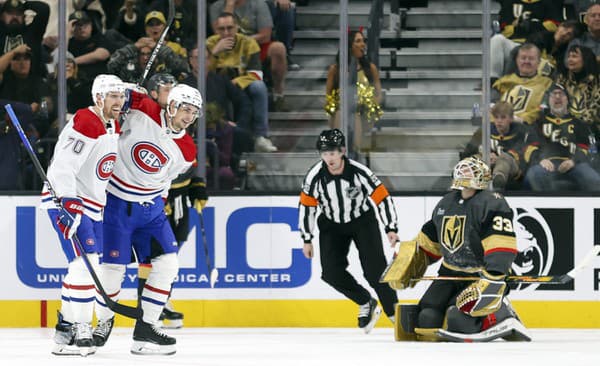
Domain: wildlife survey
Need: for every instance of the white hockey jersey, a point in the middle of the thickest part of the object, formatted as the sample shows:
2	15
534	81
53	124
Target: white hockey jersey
150	154
83	161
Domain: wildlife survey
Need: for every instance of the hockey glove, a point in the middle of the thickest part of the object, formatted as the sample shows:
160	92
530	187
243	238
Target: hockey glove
410	263
482	297
69	216
197	193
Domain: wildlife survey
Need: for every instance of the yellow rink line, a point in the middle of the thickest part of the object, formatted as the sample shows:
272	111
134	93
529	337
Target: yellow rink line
297	313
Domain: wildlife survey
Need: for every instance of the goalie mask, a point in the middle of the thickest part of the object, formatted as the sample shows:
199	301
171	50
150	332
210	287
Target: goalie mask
331	140
471	173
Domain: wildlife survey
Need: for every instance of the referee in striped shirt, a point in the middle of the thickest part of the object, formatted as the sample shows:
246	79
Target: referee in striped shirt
346	193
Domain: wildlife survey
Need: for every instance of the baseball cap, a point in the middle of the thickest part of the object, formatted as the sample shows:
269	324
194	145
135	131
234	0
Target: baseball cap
155	15
13	5
80	16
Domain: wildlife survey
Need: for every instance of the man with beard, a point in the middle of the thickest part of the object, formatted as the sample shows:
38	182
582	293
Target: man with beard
14	31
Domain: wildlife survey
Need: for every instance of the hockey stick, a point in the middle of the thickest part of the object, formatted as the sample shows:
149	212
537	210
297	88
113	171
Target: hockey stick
213	272
128	311
550	280
160	42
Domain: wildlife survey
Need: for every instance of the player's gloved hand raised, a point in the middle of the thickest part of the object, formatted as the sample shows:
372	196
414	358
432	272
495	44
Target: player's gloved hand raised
484	296
69	216
198	194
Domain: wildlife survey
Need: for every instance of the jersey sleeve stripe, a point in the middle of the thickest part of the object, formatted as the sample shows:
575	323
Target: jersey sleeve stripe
499	243
307	200
379	194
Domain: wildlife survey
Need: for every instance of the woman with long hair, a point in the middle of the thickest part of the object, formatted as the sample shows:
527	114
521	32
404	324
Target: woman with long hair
368	88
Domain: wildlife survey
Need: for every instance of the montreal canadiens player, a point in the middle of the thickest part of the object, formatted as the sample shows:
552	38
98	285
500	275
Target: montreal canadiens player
83	162
153	149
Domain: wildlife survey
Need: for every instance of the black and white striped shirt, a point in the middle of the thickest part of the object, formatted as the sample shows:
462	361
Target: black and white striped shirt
343	198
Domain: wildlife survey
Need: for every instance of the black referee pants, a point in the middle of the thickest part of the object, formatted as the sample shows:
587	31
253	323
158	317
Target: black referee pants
334	245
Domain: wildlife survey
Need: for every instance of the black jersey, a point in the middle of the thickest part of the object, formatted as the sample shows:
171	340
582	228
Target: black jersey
343	198
471	235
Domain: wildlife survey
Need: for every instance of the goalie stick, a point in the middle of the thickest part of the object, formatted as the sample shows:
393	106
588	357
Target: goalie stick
550	280
128	311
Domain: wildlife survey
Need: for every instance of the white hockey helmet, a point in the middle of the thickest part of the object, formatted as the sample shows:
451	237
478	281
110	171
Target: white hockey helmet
472	173
106	83
182	93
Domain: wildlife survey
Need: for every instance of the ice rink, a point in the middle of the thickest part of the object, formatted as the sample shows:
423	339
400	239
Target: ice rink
310	347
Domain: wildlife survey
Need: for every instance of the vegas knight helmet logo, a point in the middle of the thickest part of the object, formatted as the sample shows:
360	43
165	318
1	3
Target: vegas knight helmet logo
535	245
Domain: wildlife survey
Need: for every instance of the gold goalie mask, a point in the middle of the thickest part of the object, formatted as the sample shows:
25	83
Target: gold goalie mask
471	173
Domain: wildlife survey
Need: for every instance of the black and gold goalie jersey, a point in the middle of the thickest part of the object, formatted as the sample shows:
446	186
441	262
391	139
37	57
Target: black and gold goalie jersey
471	235
558	138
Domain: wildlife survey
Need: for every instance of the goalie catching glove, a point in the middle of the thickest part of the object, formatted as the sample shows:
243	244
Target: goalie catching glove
482	297
410	263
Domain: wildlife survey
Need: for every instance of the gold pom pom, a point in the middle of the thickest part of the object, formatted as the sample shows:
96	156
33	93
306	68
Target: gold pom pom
367	103
332	102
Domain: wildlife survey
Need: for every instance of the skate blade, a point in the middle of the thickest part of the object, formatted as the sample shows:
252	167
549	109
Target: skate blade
172	324
376	314
64	350
147	348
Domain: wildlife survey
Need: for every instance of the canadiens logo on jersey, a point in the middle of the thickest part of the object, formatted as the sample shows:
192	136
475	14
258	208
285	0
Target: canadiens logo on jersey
453	232
148	157
105	166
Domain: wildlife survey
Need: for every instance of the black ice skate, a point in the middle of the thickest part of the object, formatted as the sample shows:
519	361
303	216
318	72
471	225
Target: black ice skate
149	340
102	331
170	318
83	338
64	338
368	314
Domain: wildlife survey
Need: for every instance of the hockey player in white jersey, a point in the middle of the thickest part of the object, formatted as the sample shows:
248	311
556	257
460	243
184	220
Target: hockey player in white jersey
153	149
82	164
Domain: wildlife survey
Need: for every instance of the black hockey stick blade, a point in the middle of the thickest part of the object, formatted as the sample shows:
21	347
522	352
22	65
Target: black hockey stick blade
550	279
128	311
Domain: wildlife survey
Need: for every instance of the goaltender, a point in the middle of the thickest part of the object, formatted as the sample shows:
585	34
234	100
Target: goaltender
471	230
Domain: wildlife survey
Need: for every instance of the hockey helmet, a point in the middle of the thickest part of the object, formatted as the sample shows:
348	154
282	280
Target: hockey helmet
106	83
472	173
331	140
182	93
160	79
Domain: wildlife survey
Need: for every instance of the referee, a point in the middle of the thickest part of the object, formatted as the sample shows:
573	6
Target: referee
345	192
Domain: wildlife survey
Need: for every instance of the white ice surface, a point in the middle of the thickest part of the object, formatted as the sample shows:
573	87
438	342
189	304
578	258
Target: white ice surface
310	347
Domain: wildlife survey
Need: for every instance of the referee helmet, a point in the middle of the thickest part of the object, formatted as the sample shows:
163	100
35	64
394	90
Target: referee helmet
331	140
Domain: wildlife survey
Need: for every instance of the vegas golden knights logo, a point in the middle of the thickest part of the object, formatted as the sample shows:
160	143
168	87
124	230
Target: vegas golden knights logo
453	232
519	97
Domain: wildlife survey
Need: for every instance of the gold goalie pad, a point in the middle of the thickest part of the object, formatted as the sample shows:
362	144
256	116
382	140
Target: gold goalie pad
409	263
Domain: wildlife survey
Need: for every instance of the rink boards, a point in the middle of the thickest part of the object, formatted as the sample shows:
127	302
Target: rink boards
265	281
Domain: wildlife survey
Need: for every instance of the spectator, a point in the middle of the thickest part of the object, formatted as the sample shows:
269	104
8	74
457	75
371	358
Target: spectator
183	30
254	20
591	38
78	89
129	62
220	132
90	49
225	102
12	164
154	25
581	80
283	13
130	20
14	31
519	19
576	9
368	89
238	57
524	89
557	150
507	140
95	11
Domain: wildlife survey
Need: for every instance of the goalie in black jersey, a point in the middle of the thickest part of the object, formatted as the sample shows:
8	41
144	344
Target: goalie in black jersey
471	231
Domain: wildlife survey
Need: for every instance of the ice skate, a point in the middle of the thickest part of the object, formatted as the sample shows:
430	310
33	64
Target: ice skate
170	318
102	331
368	315
64	338
149	340
83	338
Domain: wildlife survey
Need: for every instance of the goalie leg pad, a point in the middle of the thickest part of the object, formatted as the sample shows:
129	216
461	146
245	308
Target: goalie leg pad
405	322
460	322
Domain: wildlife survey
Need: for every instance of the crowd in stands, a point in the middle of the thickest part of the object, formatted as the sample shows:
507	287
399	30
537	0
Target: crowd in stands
545	81
542	49
118	37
